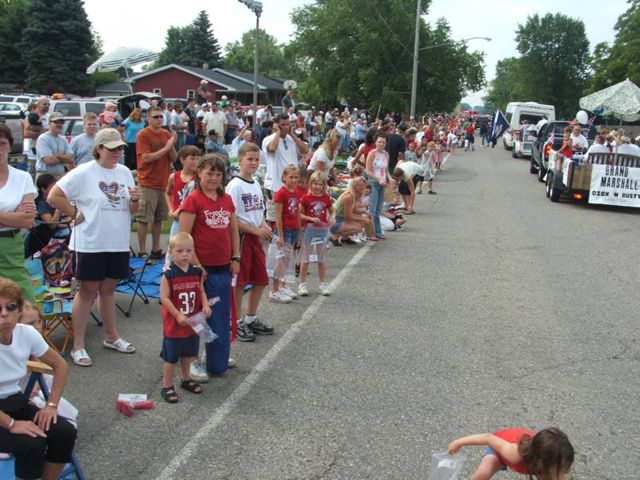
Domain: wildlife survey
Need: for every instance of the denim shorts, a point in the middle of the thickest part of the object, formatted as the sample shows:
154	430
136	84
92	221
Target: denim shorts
173	349
337	226
291	236
490	451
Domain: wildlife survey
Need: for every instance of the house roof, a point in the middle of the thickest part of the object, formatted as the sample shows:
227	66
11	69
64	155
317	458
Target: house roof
114	87
230	80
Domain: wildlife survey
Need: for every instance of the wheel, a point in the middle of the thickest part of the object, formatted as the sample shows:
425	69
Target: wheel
532	166
547	186
541	173
554	193
504	143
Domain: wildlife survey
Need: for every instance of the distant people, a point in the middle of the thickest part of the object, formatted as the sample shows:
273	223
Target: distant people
82	146
215	120
579	142
377	170
132	126
203	95
396	146
53	154
599	146
179	124
233	124
109	116
626	147
287	101
214	145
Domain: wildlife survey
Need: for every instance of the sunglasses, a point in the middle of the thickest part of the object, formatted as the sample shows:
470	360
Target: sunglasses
157	117
58	122
9	307
121	147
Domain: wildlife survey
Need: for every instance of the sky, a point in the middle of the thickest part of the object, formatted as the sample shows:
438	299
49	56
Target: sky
497	19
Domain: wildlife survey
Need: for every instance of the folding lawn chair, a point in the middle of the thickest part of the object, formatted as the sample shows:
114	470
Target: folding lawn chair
132	282
72	470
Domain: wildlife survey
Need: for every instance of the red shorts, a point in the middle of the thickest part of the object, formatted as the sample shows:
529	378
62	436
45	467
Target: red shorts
253	265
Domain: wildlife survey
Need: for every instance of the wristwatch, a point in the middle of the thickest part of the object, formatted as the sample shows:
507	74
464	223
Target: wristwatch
235	258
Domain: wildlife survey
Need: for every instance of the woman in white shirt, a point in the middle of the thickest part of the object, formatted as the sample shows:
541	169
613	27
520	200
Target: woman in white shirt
105	196
17	211
323	159
41	441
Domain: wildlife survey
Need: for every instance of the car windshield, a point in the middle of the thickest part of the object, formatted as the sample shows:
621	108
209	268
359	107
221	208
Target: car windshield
68	109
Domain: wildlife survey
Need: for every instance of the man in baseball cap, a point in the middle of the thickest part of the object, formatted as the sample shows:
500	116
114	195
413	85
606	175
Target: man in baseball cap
53	154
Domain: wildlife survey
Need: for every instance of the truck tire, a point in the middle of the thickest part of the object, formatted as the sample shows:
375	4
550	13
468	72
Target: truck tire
541	173
554	193
532	167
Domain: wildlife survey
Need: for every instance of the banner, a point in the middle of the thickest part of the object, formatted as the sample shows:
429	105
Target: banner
615	185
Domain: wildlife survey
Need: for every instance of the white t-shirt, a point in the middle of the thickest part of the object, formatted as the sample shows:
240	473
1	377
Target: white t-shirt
286	154
18	185
627	149
26	341
597	148
215	121
579	141
248	200
321	156
102	195
451	138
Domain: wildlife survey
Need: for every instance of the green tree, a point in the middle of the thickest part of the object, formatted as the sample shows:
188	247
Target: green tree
192	45
505	86
553	67
13	18
341	52
239	55
612	64
57	46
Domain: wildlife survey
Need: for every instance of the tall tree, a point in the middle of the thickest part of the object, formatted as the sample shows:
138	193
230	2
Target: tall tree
57	46
612	64
554	60
239	55
13	18
341	52
192	45
505	86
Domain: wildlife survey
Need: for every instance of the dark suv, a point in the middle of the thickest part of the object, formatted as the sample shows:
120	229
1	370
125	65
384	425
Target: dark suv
543	144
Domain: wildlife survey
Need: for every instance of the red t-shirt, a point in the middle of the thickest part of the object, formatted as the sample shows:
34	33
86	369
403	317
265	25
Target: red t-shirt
513	435
211	230
186	296
153	174
177	195
318	207
290	201
470	129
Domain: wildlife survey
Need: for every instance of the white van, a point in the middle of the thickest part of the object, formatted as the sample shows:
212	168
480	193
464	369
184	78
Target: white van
519	113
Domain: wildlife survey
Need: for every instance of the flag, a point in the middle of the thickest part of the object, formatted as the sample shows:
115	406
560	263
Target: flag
500	124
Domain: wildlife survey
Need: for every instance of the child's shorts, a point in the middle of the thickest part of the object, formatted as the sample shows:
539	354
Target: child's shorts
291	236
173	349
253	263
490	451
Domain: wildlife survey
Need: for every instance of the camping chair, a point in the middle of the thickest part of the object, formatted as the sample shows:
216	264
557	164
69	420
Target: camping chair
132	282
55	303
7	462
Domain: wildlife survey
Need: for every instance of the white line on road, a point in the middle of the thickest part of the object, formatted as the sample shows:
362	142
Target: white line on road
219	415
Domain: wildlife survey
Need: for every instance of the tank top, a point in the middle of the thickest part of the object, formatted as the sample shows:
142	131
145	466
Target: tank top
380	164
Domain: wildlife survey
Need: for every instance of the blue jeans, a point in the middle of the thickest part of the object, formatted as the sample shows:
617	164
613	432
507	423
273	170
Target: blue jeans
377	199
219	285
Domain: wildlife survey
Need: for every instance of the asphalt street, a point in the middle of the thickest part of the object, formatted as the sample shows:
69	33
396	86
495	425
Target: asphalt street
496	308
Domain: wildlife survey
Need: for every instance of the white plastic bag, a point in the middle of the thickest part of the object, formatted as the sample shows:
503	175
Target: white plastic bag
199	324
445	466
281	263
314	244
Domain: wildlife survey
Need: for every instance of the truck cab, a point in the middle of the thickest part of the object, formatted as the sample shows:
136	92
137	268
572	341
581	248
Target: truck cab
520	113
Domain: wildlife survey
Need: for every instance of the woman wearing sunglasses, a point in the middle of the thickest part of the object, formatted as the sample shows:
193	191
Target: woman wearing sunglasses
105	196
41	441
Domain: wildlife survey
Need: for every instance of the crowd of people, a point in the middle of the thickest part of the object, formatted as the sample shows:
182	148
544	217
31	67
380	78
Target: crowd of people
301	183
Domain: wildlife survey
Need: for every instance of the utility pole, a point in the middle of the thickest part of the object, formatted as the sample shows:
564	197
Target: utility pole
416	51
256	7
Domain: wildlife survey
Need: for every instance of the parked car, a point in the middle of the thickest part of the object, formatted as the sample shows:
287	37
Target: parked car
72	128
23	99
12	110
76	108
548	138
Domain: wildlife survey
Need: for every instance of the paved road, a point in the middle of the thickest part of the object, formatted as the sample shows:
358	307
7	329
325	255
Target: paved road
496	308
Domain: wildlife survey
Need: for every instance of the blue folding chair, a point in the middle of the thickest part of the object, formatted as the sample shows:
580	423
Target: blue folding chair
133	281
71	470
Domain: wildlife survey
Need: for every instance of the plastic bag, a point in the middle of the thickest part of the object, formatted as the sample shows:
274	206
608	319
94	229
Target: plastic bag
445	466
314	244
281	262
199	324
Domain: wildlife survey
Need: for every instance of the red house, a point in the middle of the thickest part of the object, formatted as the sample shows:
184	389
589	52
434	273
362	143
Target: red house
180	81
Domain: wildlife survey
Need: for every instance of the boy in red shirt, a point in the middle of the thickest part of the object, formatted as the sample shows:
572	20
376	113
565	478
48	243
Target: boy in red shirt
182	295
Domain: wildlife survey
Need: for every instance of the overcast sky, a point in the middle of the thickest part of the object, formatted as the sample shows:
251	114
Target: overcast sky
144	24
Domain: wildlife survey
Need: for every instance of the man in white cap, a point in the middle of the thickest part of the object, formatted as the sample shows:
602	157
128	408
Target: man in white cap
53	153
203	95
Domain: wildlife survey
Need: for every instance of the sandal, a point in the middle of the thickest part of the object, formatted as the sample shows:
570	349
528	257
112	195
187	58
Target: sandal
191	386
81	358
169	394
156	255
336	241
120	345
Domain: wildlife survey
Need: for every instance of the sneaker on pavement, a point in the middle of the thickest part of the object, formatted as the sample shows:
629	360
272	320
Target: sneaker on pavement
244	332
323	288
279	297
259	328
289	293
198	373
303	291
232	363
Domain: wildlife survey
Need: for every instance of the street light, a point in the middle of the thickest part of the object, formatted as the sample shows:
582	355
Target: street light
416	51
256	7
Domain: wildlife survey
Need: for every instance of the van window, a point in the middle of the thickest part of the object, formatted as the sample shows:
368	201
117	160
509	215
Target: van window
68	109
94	107
509	116
6	98
530	118
23	100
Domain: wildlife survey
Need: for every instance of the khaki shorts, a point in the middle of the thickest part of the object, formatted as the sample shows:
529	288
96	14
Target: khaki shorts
153	206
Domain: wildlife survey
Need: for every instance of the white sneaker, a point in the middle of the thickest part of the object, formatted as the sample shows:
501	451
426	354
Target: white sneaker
198	373
323	288
279	297
303	291
288	292
232	363
356	238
